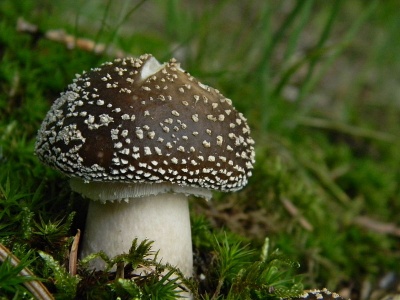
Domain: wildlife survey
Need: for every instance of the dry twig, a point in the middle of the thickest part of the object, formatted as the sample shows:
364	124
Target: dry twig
59	35
377	226
38	290
294	212
73	255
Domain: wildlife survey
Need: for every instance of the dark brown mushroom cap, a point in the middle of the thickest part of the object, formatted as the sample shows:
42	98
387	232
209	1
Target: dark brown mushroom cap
315	294
112	125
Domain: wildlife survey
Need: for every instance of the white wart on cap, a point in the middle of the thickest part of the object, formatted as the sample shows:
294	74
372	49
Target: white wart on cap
135	120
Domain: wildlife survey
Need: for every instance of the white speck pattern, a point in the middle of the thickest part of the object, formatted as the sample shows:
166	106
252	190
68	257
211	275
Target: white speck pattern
316	294
113	125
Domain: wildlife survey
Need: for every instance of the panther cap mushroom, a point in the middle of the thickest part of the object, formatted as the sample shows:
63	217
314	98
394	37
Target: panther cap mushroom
135	128
316	294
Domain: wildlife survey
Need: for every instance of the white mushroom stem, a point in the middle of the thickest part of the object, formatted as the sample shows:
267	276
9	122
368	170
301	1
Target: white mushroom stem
163	218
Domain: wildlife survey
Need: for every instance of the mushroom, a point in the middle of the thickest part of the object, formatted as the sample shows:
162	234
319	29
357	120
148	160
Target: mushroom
137	138
316	294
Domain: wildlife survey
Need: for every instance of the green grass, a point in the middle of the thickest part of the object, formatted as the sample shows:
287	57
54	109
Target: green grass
319	86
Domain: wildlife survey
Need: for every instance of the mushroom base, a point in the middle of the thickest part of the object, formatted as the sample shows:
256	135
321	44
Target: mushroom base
164	219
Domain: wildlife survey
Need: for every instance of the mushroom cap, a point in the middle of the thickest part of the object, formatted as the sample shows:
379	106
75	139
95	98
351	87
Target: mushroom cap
135	120
315	294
